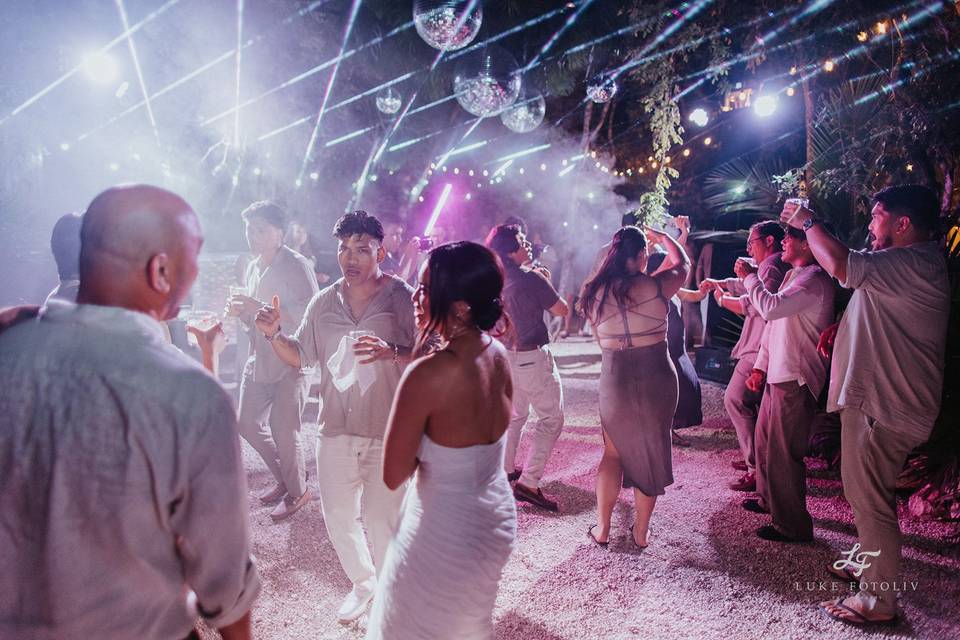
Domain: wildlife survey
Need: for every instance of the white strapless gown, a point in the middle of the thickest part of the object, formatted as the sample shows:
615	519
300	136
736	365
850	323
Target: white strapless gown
456	532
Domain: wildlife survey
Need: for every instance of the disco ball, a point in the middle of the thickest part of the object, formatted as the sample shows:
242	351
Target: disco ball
389	101
602	88
525	115
446	24
487	81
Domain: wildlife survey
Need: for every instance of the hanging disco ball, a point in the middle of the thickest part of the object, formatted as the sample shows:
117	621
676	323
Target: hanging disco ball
389	101
525	115
601	88
447	25
487	81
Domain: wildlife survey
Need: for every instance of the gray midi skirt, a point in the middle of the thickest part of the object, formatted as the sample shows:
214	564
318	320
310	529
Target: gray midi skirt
638	397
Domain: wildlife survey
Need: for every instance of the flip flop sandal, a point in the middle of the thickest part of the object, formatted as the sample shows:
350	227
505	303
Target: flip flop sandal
858	619
594	538
633	536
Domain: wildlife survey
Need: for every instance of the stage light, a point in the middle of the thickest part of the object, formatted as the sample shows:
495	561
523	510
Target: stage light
829	65
765	106
543	167
686	153
707	141
881	27
65	146
467	197
791	91
100	67
699	117
529	195
740	189
456	171
521	170
257	171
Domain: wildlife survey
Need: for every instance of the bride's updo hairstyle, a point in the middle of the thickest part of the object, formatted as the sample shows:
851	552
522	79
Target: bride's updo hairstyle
464	271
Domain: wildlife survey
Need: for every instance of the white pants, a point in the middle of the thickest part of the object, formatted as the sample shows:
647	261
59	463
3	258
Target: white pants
536	383
350	475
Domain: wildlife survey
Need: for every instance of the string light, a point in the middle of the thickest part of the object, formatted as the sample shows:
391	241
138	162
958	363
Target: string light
791	91
793	71
829	66
881	27
653	164
862	36
686	153
909	166
707	141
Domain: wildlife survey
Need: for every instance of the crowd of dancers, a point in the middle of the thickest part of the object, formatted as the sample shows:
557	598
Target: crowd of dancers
124	507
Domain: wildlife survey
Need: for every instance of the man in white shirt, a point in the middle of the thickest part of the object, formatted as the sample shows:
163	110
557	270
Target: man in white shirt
887	373
123	510
794	374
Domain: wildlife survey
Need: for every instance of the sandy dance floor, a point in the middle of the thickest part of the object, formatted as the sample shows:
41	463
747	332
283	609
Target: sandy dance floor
705	574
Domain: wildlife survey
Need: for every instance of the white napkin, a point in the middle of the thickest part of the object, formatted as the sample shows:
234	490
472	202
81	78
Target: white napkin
346	369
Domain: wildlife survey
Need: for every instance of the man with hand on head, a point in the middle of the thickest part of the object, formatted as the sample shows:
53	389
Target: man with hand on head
887	372
272	395
536	380
360	331
123	487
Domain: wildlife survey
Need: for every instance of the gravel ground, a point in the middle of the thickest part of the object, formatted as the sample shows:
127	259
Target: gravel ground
704	575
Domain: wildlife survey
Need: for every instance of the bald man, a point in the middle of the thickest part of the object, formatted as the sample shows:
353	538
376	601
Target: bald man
120	456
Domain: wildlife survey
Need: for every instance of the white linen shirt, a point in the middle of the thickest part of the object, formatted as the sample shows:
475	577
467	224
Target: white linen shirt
795	315
122	489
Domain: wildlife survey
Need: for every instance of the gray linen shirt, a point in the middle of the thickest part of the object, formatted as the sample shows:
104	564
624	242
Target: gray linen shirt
328	318
122	483
289	276
888	356
771	272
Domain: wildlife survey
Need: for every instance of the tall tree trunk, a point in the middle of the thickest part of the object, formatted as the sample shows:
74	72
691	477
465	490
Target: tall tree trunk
808	125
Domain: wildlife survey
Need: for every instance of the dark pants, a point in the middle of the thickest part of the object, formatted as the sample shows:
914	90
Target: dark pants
783	430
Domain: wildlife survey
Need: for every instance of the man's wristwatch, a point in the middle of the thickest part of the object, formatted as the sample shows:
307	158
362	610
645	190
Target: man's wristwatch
275	334
809	222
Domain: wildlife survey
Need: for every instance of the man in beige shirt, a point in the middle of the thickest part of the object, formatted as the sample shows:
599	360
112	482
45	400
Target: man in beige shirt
123	509
887	373
272	395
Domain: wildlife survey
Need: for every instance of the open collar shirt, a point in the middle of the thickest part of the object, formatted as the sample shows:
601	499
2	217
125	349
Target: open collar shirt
389	316
123	490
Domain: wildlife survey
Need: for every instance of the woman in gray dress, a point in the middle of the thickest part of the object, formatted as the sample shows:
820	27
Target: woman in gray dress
638	382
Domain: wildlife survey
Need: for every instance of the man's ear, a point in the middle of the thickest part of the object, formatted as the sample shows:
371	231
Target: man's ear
158	273
903	223
381	254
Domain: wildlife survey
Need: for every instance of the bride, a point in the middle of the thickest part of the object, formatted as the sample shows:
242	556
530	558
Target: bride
458	523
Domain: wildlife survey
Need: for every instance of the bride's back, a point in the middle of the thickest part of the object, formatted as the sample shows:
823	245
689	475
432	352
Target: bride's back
473	402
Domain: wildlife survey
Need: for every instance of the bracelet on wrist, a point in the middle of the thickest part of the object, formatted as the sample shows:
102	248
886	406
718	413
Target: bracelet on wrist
272	337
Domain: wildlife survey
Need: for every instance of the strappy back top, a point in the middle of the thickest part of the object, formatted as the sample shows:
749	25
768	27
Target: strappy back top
656	318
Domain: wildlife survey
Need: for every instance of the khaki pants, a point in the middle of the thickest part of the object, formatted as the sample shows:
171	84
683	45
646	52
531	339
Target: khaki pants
278	404
783	429
872	456
536	383
742	406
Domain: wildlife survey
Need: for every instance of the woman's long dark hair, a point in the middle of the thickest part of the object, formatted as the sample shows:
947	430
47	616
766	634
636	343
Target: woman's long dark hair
464	271
627	243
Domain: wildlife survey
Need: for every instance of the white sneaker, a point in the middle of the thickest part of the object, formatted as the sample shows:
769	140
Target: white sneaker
356	602
288	506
